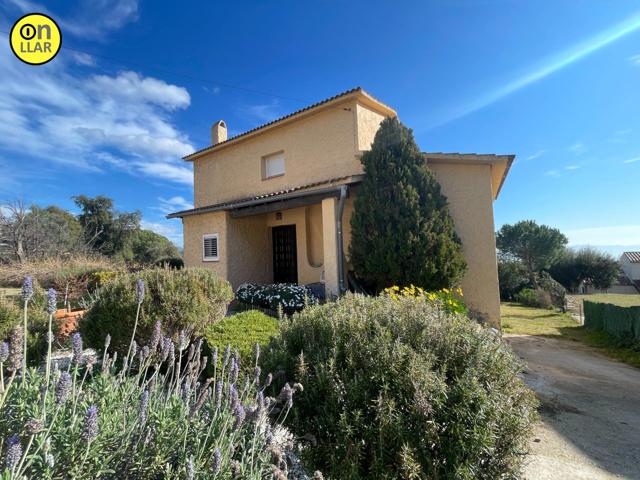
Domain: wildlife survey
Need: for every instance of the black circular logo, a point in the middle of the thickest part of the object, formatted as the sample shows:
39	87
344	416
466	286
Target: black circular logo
27	31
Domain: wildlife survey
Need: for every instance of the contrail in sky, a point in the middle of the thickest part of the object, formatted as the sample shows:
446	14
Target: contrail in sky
551	65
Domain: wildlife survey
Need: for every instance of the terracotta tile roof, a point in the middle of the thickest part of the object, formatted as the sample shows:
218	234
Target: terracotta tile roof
278	120
267	196
633	257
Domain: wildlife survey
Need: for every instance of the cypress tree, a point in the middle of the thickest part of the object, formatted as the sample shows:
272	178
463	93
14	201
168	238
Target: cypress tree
402	232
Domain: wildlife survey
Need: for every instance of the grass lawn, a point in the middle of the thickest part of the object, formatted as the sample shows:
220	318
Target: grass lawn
536	321
616	299
242	331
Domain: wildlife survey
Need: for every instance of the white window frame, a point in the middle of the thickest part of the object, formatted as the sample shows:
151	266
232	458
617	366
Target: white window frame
217	257
272	156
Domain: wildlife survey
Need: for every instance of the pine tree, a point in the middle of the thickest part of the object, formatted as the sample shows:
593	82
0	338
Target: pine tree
401	230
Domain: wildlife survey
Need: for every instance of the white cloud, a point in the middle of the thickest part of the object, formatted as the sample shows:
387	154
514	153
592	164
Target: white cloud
173	204
577	148
93	121
552	173
538	154
171	230
635	60
82	58
632	160
130	86
94	19
573	167
265	112
608	235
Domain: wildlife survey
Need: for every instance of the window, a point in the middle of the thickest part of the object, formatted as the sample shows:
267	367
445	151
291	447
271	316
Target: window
210	248
273	165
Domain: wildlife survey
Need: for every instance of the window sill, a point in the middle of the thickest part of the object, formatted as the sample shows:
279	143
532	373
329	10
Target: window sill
273	176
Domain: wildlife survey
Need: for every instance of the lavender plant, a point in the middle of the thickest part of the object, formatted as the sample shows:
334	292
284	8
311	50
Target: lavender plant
153	415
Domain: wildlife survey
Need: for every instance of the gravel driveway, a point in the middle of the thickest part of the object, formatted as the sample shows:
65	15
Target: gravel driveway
590	412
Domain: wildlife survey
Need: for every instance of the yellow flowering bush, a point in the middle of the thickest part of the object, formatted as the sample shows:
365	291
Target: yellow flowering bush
449	299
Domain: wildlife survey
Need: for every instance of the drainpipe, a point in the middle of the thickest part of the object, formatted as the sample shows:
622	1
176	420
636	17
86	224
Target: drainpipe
344	189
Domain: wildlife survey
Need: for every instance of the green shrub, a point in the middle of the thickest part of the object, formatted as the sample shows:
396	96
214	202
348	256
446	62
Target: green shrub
100	279
91	421
12	314
538	298
189	300
242	331
399	389
289	296
170	262
401	229
556	291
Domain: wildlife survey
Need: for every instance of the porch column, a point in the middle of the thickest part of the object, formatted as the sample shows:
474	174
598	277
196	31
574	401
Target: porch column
330	263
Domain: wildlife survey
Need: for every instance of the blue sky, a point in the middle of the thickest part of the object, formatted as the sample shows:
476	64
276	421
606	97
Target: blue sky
138	83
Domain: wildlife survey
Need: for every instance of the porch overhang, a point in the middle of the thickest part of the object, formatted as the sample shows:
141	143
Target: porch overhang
273	202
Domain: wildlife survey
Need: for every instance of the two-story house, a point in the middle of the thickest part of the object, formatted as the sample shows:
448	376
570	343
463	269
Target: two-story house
274	204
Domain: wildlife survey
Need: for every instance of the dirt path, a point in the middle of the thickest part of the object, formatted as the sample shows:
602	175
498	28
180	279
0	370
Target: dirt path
590	412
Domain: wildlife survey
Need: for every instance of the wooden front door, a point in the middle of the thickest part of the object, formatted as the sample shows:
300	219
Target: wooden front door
285	259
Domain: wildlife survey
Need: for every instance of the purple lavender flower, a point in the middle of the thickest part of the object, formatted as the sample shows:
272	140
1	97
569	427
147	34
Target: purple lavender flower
268	380
4	352
16	344
257	352
90	428
134	349
107	341
256	375
235	369
239	415
286	395
233	396
167	347
144	407
139	290
217	461
214	356
76	345
14	452
63	388
183	341
225	357
51	301
218	393
156	336
27	289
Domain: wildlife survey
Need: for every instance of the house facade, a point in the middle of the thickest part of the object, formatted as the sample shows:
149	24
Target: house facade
274	204
630	264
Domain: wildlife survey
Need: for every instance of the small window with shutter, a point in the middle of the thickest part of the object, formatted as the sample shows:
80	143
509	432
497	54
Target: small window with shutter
210	248
273	165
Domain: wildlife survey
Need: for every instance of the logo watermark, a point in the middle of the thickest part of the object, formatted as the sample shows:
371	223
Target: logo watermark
35	38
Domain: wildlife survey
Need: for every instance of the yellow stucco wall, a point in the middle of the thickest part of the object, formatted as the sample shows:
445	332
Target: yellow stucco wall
315	148
468	190
194	227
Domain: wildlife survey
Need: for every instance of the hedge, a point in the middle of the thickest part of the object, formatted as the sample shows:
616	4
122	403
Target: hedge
618	321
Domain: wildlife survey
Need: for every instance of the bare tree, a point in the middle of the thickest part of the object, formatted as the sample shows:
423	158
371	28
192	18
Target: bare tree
13	230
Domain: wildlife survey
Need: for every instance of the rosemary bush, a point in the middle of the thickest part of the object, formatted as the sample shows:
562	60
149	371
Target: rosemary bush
150	416
398	388
188	299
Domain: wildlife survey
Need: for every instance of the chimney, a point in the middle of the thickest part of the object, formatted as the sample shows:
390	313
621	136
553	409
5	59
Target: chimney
218	132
